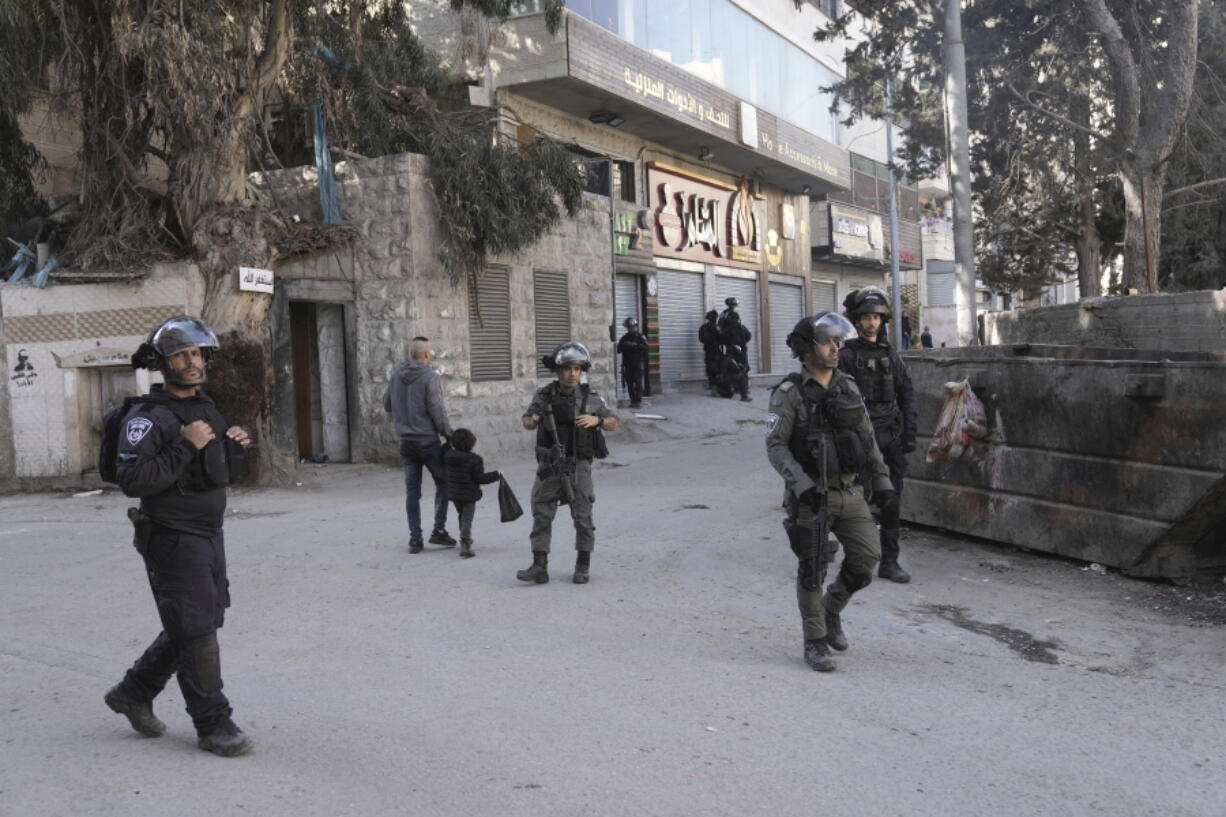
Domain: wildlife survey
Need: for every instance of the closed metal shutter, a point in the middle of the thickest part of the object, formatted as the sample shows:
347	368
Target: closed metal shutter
825	298
787	307
552	300
746	293
626	300
489	325
681	307
941	282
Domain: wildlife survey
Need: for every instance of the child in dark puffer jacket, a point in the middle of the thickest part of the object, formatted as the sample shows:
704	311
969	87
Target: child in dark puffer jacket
465	476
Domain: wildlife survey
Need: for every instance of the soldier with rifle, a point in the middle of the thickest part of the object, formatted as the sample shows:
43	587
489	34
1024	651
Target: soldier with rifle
821	442
569	419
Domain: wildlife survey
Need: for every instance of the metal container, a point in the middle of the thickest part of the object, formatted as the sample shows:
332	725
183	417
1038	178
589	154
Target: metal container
1113	456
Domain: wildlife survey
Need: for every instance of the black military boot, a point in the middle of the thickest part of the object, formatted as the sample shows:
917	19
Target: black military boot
834	632
891	570
466	548
817	656
438	536
139	713
225	739
415	545
539	572
583	562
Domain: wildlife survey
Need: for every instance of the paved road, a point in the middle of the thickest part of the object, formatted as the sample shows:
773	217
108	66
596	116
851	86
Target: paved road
379	683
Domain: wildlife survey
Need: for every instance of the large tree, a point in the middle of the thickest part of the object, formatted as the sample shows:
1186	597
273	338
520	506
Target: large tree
1061	93
171	99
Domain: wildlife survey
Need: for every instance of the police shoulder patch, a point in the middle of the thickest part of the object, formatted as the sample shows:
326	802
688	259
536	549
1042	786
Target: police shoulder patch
772	420
136	429
786	386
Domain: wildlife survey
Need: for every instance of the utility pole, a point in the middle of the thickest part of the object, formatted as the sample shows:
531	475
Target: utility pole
896	286
960	175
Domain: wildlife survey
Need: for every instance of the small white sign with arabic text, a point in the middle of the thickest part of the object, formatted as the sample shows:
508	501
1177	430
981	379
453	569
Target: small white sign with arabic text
255	280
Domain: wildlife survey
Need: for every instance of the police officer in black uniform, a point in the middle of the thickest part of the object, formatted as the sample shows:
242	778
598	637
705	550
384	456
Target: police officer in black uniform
177	454
882	376
735	336
633	349
730	305
712	350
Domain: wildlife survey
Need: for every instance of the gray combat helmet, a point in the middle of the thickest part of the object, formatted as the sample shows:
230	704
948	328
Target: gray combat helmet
821	327
568	354
870	300
173	335
631	321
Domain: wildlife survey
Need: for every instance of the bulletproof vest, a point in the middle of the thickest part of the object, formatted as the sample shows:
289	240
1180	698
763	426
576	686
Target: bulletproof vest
874	371
836	418
580	442
208	468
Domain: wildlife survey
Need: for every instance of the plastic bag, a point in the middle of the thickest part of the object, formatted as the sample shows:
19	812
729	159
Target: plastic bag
961	428
508	505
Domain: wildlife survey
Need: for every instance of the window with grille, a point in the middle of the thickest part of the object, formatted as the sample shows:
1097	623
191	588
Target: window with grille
552	314
489	325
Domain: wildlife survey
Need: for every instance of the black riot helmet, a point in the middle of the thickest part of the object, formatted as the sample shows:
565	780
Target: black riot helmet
821	327
631	321
868	300
173	335
731	303
568	354
712	315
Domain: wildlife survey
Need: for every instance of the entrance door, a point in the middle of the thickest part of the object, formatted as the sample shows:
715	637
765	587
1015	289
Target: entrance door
681	306
787	308
321	396
745	291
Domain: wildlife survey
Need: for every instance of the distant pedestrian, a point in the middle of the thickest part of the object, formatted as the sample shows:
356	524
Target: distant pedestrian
414	398
633	349
906	332
926	338
465	476
708	336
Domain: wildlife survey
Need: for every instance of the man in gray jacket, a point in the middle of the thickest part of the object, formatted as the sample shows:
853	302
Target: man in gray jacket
414	398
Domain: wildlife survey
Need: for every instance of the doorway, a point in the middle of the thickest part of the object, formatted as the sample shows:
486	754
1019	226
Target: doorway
320	379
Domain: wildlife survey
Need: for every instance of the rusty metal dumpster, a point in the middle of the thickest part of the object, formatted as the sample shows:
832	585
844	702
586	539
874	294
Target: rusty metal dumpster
1113	456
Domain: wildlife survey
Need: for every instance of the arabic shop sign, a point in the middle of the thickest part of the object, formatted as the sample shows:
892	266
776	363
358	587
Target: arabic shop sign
682	101
705	220
856	233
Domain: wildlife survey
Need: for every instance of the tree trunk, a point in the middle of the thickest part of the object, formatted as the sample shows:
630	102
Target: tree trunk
1088	243
1142	226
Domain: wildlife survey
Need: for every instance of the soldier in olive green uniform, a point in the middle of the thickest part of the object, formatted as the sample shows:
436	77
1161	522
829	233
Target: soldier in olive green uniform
815	415
568	418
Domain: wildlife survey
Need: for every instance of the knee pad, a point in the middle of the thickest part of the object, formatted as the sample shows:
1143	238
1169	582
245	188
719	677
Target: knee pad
206	658
853	582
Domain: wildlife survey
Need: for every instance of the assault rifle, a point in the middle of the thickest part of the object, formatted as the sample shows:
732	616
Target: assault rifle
559	465
811	550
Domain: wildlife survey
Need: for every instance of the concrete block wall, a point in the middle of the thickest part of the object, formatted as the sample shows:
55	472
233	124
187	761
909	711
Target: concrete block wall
1180	322
39	416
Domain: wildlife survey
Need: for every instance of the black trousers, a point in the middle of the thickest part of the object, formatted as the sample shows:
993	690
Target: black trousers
188	577
633	376
891	451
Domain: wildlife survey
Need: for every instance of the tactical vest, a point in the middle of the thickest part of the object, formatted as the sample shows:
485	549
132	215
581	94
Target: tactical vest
874	371
580	442
208	468
837	418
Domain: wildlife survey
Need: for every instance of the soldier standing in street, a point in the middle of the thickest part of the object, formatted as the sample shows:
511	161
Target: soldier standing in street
176	453
730	305
568	418
712	353
882	377
820	441
633	349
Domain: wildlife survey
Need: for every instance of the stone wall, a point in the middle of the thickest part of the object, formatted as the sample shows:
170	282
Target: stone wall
1182	322
400	290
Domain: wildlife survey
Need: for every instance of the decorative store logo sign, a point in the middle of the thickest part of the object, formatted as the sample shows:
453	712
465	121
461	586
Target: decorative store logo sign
705	220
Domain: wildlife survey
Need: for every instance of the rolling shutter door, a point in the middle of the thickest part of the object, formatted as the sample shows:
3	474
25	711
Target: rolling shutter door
746	293
626	300
489	325
552	314
941	283
787	307
825	298
681	307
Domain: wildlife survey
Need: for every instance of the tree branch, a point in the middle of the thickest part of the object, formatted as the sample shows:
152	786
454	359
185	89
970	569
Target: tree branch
1053	115
1124	73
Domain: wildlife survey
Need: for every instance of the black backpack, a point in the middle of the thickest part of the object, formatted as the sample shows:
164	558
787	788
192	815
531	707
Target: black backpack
112	426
